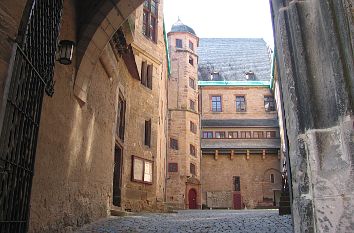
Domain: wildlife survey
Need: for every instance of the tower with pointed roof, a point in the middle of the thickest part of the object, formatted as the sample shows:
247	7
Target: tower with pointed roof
183	161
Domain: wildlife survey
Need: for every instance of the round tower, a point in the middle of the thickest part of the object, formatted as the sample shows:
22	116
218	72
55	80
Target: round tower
183	180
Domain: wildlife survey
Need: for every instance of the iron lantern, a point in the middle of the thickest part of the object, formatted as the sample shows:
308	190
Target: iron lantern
65	53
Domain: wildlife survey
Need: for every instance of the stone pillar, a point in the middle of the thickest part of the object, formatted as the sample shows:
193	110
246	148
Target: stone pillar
314	49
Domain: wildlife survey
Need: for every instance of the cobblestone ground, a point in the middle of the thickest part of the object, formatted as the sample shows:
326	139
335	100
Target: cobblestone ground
255	221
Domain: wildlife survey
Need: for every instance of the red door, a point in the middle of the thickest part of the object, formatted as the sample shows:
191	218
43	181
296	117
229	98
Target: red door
192	199
237	201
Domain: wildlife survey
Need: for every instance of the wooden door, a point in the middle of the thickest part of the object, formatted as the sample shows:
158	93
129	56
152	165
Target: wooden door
117	177
192	199
237	201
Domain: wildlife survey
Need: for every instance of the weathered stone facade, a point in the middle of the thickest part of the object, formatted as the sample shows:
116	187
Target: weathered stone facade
314	45
73	178
254	160
183	113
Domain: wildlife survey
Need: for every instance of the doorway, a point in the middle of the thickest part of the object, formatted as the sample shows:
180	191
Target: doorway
117	177
192	199
237	201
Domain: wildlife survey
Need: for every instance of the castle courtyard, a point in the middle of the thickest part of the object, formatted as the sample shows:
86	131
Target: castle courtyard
255	221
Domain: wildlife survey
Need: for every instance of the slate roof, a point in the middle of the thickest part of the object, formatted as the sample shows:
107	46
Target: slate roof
241	123
240	143
180	27
232	58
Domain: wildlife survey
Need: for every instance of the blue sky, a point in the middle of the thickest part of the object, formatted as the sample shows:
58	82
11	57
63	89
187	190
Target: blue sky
222	18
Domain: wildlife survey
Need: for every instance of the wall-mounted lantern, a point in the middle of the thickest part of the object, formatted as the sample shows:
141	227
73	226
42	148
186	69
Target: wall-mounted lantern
65	53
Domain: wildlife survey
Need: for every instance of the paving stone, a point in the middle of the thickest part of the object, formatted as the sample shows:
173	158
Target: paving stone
252	221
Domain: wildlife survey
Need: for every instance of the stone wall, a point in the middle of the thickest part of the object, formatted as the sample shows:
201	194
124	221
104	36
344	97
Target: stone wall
254	173
254	101
222	200
314	46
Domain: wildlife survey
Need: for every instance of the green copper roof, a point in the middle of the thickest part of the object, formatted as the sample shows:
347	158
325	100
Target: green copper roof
234	83
167	52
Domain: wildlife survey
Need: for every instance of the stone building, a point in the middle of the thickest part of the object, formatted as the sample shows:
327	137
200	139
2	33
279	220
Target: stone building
183	177
240	133
101	141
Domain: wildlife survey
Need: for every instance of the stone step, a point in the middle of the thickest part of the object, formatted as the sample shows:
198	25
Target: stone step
284	210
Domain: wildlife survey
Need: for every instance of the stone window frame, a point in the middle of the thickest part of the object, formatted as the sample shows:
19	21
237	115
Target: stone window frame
192	105
173	143
272	178
150	19
243	134
241	106
232	133
179	43
236	183
192	83
141	171
220	133
270	101
120	120
258	134
270	134
193	127
208	133
191	60
172	167
192	150
191	45
146	74
147	133
216	109
192	169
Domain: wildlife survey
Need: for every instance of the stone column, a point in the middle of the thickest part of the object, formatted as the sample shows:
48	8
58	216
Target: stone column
314	49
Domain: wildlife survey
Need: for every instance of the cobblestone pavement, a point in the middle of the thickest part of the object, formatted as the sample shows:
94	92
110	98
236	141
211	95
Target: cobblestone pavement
255	221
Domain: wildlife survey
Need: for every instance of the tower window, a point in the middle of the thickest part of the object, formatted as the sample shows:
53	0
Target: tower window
191	61
178	43
191	46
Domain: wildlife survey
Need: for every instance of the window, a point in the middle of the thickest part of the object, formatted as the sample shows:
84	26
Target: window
150	15
269	104
178	43
142	170
207	134
121	118
240	104
257	134
192	169
232	134
270	134
219	134
272	178
216	104
147	140
245	134
172	167
192	105
192	83
191	60
237	183
173	143
193	127
192	150
191	46
146	75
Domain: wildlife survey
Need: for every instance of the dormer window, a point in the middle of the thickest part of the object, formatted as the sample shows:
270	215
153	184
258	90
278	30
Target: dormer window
250	75
215	76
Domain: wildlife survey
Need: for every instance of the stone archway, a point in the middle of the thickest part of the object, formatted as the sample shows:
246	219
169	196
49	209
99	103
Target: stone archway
94	35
